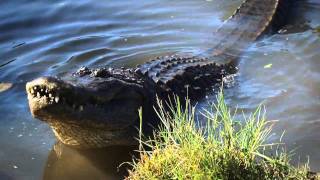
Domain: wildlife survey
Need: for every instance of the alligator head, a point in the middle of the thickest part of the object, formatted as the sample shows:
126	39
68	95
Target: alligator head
91	108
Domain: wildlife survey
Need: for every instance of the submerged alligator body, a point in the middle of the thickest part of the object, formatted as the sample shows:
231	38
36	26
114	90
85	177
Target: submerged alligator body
98	107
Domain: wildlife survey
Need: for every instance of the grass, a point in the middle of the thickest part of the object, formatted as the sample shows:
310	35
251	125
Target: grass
223	148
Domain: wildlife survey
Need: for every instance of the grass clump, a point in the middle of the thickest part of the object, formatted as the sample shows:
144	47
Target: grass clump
222	149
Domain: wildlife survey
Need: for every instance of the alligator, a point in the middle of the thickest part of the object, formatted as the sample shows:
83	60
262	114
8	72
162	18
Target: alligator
98	107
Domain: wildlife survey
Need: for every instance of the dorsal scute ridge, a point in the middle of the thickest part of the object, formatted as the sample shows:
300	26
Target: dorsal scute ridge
176	73
164	63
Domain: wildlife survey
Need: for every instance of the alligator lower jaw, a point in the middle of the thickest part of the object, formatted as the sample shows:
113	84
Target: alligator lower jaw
89	138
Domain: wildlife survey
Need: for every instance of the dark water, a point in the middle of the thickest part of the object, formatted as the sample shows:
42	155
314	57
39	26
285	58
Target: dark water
51	37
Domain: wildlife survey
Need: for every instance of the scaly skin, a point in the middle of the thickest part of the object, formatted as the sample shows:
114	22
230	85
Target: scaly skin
98	107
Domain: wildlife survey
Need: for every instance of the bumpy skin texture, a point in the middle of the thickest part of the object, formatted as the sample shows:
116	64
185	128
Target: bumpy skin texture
98	107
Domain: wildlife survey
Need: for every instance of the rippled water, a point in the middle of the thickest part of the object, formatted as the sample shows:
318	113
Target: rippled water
52	37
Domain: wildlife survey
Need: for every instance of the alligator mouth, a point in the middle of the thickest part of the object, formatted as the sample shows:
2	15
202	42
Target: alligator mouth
110	107
46	96
50	92
42	93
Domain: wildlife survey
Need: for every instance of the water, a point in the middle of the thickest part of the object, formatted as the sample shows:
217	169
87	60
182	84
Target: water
52	37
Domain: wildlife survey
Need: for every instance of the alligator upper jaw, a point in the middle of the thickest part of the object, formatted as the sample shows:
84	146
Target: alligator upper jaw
45	93
108	104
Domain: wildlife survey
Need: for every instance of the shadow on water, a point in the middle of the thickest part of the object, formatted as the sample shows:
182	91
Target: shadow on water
69	163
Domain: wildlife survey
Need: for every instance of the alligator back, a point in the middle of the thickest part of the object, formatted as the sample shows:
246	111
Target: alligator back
178	74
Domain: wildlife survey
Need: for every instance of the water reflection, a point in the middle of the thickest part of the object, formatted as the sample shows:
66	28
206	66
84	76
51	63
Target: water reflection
68	163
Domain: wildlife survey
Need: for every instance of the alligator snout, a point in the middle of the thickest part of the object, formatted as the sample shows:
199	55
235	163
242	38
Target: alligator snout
43	88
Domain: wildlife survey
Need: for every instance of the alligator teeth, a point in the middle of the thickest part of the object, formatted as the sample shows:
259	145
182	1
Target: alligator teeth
38	95
197	77
56	99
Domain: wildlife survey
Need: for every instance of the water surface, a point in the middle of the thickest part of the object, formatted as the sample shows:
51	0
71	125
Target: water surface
52	37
